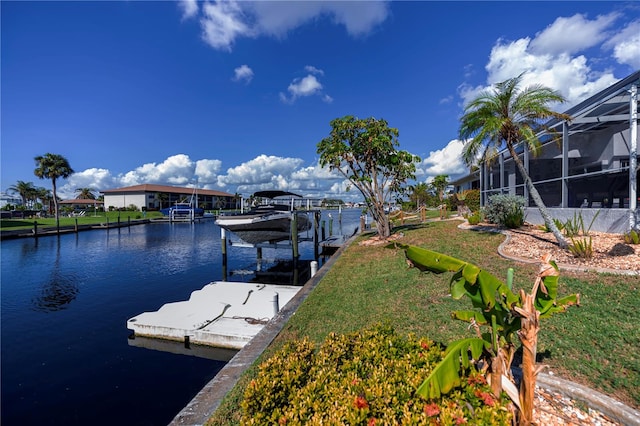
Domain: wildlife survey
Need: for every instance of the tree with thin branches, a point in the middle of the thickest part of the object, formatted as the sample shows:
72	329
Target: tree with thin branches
54	167
365	151
505	116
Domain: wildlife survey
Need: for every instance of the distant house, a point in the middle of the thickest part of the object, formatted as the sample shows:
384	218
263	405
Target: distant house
155	197
81	203
9	199
591	170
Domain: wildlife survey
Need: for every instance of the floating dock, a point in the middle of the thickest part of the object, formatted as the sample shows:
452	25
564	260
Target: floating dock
222	314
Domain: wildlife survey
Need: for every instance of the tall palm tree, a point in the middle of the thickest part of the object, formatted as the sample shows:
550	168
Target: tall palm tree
24	189
506	116
53	166
85	193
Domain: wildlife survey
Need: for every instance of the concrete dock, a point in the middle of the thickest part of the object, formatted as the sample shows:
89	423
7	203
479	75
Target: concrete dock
222	314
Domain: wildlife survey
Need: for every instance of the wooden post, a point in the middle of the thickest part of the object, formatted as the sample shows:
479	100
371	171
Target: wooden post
294	239
223	240
76	225
316	234
35	229
330	225
362	224
259	258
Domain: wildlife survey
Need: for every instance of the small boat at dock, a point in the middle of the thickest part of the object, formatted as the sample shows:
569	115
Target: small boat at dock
266	223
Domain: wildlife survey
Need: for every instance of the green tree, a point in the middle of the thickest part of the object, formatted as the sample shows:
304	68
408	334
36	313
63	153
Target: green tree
85	193
45	196
439	185
54	167
419	194
162	197
26	190
365	151
506	116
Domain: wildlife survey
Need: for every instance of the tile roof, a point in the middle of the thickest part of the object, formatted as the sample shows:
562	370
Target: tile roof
165	188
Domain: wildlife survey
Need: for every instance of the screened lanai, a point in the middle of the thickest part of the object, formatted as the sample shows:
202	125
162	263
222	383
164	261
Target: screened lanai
588	165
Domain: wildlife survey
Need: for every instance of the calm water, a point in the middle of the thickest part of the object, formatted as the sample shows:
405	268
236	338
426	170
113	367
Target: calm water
66	357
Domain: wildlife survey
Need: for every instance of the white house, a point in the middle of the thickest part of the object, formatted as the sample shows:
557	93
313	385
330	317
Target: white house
155	197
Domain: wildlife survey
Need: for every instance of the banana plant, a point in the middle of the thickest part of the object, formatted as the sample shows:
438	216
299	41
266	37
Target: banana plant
507	316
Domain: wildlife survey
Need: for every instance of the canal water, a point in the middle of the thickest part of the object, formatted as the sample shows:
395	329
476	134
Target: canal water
66	355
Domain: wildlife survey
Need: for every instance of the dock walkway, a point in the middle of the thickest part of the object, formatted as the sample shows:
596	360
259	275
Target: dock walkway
222	314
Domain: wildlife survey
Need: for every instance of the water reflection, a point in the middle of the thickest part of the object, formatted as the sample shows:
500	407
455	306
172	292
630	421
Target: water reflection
59	289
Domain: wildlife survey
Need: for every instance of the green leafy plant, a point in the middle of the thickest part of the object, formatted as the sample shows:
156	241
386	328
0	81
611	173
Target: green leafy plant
505	210
581	247
363	378
474	219
507	315
559	224
632	237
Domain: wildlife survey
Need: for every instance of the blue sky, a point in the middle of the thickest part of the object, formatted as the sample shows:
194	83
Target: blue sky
236	95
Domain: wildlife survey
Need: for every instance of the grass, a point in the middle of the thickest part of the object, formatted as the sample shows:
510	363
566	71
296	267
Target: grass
594	344
89	219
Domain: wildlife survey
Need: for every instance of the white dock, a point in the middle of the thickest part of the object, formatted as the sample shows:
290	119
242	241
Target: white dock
222	314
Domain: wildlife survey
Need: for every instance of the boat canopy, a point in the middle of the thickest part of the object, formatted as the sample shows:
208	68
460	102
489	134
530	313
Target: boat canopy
274	194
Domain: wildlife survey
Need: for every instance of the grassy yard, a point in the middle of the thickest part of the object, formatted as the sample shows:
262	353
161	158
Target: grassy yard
89	218
595	344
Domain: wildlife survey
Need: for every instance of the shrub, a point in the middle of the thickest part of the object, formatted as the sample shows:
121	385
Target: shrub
475	218
632	237
363	378
581	247
505	210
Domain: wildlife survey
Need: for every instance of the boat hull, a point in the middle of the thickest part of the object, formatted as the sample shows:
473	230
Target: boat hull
257	228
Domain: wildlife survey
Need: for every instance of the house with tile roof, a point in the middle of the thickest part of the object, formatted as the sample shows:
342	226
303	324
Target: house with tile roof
156	197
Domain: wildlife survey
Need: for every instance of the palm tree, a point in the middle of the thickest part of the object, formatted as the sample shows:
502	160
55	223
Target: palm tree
439	185
53	166
45	197
24	189
85	193
162	197
508	115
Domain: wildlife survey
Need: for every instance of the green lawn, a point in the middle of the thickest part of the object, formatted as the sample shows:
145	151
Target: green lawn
90	218
595	344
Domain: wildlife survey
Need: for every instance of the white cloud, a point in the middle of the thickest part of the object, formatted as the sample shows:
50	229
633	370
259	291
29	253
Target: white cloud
313	70
225	21
260	172
206	171
222	23
626	45
95	178
571	35
555	60
306	86
445	161
243	72
189	8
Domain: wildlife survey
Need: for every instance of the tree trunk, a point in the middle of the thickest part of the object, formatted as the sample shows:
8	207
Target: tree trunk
382	221
528	334
55	203
497	369
535	195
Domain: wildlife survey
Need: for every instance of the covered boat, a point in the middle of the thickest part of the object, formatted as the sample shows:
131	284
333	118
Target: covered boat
266	223
183	210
